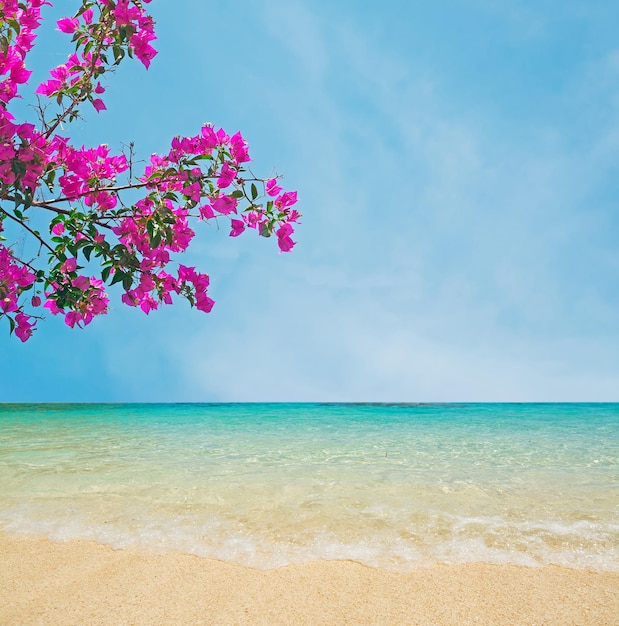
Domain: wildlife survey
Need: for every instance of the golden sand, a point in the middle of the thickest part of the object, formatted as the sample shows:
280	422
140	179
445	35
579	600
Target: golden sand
83	583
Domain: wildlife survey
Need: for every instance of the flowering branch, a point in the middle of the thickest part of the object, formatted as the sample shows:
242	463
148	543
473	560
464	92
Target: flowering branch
202	178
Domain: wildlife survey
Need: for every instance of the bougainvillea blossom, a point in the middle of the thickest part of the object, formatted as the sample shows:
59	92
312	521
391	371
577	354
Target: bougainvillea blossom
96	238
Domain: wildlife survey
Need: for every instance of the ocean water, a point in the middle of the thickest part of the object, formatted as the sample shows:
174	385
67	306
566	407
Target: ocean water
393	486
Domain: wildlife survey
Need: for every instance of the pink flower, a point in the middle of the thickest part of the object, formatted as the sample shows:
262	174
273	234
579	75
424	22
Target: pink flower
7	151
58	229
222	138
19	74
226	176
192	191
70	265
238	227
238	149
92	301
209	139
142	48
72	186
102	200
285	230
54	309
286	200
25	41
206	212
149	304
285	244
81	282
68	24
71	318
293	216
24	327
224	204
23	277
272	187
98	104
284	241
204	303
252	219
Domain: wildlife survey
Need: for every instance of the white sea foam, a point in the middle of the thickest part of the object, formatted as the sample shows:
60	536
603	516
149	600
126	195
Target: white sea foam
491	540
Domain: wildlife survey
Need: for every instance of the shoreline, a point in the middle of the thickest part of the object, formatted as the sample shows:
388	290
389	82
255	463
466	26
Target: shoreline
82	582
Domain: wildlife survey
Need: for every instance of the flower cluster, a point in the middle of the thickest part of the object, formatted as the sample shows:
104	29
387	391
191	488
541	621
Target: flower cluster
218	189
18	21
121	27
202	178
24	153
86	296
15	279
23	149
86	171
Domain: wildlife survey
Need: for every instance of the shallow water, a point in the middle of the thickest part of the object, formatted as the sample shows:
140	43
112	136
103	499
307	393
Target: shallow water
392	486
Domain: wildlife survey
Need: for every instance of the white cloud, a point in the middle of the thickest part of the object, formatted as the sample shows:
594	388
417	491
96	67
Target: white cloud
433	258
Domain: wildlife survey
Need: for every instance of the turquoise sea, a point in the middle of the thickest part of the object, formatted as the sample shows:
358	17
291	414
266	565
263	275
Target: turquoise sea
396	486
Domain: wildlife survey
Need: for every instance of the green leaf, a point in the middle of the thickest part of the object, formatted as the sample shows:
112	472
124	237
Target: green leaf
150	229
118	276
49	179
119	54
105	273
14	24
81	243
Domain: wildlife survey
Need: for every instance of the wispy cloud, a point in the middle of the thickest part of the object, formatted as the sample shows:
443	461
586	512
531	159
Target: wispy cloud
444	256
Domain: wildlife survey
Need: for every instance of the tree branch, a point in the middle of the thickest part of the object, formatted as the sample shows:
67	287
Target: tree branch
86	78
32	232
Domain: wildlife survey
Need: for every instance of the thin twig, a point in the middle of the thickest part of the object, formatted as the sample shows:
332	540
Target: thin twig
32	232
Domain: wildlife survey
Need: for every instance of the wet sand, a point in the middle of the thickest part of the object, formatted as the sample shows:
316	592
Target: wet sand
83	583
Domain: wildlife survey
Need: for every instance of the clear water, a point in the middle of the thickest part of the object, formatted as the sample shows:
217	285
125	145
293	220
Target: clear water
391	486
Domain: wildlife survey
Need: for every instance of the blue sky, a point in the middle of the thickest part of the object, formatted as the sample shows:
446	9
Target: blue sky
457	165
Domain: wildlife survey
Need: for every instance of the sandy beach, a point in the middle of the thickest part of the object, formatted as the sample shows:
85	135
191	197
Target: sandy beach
77	582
